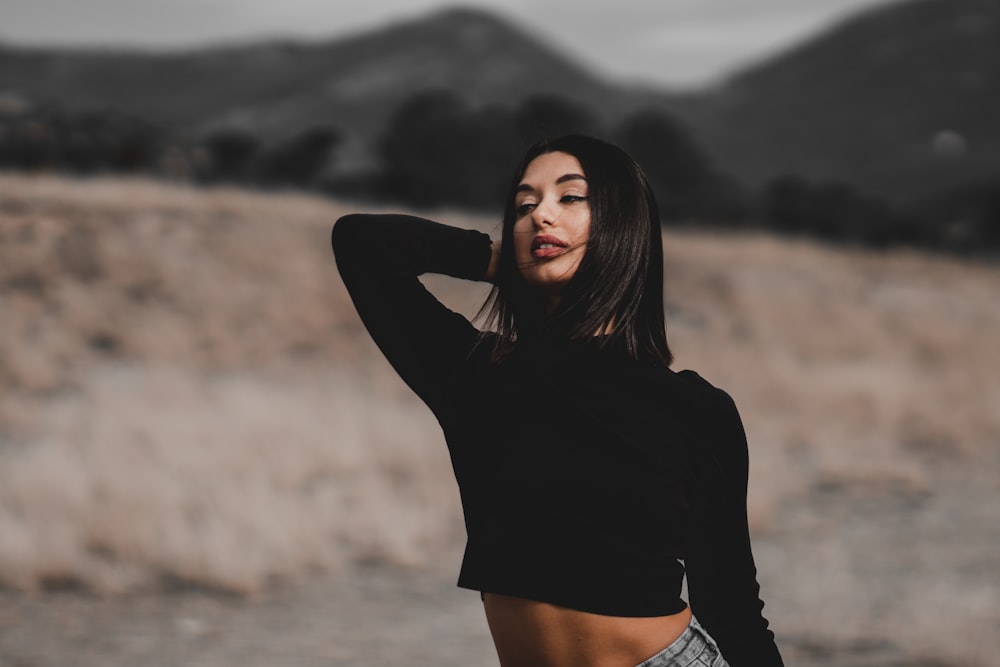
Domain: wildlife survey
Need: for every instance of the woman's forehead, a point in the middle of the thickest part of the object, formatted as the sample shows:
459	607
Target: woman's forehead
549	168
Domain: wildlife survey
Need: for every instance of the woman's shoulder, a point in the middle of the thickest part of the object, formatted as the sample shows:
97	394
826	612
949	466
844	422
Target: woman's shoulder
696	382
718	417
707	399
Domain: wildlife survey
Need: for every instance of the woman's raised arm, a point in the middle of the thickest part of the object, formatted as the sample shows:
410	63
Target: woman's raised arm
380	258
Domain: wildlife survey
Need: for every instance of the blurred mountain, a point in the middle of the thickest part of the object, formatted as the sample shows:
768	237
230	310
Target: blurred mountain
899	100
274	89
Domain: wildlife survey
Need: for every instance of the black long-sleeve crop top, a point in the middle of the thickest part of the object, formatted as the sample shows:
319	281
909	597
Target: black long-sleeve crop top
588	479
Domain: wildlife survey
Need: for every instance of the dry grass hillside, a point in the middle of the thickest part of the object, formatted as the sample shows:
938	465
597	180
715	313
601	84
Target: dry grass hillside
188	402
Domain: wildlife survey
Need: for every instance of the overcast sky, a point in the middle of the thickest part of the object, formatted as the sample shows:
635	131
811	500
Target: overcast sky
678	43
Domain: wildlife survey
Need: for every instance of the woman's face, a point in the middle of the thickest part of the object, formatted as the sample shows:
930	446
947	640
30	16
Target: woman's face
551	221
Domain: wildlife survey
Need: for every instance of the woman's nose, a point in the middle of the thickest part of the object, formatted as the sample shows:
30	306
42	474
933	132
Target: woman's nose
543	214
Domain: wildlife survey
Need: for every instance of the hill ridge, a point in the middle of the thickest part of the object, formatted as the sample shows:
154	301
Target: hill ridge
865	101
898	99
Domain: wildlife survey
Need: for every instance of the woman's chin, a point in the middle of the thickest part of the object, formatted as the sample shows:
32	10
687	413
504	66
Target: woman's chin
550	285
549	278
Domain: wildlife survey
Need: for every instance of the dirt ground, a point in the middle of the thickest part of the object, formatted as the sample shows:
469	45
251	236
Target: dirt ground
375	616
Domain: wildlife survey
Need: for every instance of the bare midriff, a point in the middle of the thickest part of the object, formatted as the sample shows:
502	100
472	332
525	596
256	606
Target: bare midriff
528	633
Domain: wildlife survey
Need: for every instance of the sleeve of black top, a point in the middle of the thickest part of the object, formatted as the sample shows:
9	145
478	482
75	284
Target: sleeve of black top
380	258
722	576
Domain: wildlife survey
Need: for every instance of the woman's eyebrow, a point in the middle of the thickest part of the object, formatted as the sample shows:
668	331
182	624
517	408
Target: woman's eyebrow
525	187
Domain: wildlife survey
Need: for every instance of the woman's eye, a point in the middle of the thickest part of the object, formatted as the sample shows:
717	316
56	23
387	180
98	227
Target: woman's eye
525	208
569	199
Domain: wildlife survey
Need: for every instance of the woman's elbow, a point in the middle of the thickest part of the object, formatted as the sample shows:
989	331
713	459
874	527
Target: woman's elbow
345	229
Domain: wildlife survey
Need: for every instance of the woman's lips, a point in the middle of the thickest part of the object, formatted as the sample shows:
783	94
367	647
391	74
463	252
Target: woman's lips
545	246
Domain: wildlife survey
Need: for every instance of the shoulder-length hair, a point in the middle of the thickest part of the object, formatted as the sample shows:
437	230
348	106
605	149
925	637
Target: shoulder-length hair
617	290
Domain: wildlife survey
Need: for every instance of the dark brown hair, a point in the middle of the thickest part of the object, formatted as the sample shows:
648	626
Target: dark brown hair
618	287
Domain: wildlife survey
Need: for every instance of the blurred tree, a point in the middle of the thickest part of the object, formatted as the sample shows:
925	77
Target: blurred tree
686	184
27	142
437	151
832	211
230	152
80	142
964	220
541	116
300	160
126	143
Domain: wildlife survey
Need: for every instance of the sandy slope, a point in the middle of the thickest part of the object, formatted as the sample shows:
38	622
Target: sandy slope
188	400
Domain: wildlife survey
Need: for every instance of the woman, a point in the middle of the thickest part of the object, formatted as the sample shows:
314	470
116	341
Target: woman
592	477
